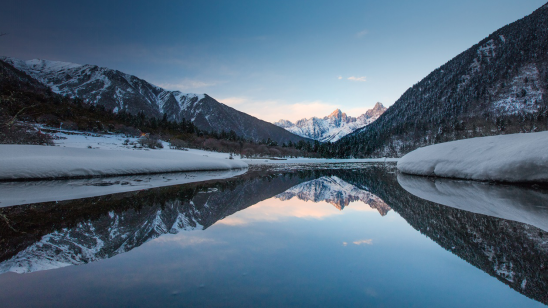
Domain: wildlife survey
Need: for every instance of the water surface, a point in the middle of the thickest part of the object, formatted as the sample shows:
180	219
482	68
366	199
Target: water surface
350	236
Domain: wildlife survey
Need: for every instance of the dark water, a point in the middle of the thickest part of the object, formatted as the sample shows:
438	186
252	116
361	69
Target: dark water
350	237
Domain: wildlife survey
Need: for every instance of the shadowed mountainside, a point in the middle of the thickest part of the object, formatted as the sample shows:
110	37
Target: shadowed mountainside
498	86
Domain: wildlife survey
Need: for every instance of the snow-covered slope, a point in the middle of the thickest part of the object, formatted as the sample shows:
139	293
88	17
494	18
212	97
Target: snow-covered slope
118	91
332	127
507	158
335	191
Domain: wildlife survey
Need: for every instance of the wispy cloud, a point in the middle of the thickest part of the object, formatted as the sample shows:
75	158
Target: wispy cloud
340	77
361	79
363	242
187	84
233	101
362	33
275	110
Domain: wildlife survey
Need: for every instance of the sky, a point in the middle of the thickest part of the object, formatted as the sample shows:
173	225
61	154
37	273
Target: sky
271	59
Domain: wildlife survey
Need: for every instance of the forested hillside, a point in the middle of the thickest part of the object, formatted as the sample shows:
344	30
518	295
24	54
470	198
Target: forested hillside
496	87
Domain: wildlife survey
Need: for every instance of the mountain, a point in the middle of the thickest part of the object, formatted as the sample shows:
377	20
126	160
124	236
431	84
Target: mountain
333	190
332	127
498	86
118	91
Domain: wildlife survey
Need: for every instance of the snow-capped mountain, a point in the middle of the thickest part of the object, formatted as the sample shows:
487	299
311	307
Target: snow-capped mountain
118	91
498	86
332	127
333	190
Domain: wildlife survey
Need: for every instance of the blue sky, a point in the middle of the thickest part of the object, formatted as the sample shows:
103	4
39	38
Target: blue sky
271	59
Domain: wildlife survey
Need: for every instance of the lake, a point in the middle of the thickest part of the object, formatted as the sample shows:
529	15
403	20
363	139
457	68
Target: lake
345	235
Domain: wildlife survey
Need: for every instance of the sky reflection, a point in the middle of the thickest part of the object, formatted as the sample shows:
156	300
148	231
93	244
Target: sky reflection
274	210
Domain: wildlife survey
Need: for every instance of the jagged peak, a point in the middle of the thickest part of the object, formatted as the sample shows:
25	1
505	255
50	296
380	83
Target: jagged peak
336	113
284	123
378	105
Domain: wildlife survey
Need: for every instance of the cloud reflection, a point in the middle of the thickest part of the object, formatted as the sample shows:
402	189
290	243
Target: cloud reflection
274	209
186	239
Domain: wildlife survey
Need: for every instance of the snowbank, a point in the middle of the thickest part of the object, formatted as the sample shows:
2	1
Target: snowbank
508	158
508	202
42	162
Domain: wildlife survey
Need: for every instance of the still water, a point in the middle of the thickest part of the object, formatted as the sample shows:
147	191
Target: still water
356	236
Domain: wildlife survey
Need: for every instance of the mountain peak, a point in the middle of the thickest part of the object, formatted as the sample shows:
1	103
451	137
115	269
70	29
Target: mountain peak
336	113
332	127
375	112
379	105
338	116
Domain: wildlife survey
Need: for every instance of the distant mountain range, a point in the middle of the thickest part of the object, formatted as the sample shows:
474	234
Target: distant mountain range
335	191
332	127
498	86
118	91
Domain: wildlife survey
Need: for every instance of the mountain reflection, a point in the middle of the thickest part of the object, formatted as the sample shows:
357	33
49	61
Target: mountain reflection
51	235
511	202
335	191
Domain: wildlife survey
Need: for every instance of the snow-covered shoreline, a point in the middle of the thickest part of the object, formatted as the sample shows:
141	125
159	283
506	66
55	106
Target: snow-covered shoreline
21	162
505	158
87	155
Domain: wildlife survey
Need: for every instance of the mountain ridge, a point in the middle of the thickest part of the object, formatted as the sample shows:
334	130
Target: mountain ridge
119	91
333	126
497	86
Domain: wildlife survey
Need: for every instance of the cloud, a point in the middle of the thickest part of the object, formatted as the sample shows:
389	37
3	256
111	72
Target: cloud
186	84
362	33
363	242
361	79
233	101
275	110
340	77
